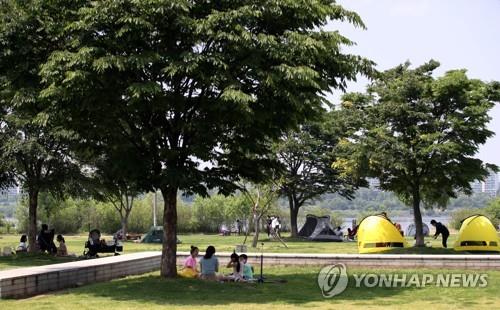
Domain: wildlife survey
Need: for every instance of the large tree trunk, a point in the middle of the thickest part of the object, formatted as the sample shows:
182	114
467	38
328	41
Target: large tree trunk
169	250
419	233
32	218
294	212
256	224
127	209
125	226
247	231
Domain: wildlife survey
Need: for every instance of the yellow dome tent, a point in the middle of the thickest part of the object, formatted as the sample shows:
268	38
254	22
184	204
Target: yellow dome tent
477	233
377	234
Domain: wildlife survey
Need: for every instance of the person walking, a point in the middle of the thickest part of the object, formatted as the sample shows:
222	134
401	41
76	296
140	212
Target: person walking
269	220
238	226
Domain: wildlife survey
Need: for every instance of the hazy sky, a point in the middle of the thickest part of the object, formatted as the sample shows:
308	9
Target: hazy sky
457	33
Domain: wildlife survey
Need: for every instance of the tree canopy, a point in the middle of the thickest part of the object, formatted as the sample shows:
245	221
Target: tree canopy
198	88
418	134
306	156
34	148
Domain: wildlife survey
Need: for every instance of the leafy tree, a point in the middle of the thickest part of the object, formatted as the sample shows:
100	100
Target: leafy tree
493	210
306	157
209	213
64	215
419	134
48	204
459	215
32	146
123	202
262	197
193	82
113	183
6	175
237	207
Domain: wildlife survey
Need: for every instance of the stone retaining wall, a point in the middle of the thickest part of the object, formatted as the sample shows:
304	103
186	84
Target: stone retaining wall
24	282
486	262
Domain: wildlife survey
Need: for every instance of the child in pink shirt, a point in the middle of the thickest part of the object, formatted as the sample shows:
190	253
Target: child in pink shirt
190	262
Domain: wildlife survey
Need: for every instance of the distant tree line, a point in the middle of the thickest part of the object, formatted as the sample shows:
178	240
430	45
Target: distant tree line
375	200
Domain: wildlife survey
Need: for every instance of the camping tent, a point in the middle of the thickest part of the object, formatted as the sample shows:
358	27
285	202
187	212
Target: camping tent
376	234
318	228
410	231
477	233
154	235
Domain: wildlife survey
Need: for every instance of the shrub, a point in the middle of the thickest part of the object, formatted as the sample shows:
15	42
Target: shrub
459	215
493	209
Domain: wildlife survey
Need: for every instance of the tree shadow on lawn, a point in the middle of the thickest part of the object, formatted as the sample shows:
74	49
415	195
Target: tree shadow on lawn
300	289
31	260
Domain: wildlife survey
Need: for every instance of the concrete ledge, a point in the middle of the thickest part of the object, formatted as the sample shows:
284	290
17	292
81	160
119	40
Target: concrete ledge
481	262
24	282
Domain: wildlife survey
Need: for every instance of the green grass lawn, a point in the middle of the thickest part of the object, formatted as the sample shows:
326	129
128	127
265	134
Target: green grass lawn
150	291
222	244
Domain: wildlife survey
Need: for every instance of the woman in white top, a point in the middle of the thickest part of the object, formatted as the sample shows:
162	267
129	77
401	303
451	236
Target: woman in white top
23	245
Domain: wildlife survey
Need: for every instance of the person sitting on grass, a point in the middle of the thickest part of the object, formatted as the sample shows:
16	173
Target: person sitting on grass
398	227
384	215
62	250
237	273
23	245
441	229
189	269
351	233
338	232
190	262
46	240
209	265
246	267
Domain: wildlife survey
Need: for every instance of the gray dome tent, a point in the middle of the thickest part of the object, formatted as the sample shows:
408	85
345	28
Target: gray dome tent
410	230
318	228
155	235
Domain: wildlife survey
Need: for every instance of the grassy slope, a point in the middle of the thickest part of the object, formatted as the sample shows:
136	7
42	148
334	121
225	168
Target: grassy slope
153	292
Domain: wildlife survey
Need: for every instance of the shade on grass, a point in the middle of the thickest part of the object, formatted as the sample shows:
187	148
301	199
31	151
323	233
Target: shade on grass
150	291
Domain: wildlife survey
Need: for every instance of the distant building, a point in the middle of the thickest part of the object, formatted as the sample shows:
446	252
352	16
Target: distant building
10	193
477	187
489	186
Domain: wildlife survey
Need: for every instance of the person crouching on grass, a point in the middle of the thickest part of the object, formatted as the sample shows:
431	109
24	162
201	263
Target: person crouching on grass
441	229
